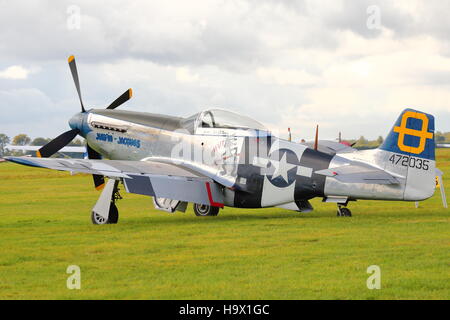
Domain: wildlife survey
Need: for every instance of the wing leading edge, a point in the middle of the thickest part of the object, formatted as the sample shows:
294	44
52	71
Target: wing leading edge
149	178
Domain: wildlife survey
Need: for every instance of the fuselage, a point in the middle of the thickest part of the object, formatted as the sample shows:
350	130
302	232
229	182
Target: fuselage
256	168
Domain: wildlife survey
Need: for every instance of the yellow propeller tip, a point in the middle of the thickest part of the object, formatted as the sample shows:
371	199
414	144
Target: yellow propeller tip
38	154
131	92
100	187
71	58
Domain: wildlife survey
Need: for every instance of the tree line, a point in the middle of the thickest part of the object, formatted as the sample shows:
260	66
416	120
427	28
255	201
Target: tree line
24	140
363	143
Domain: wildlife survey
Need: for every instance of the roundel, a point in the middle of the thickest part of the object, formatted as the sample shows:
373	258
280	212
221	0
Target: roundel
282	168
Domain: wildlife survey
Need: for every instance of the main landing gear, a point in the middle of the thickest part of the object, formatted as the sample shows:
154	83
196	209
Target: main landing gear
105	210
343	211
203	210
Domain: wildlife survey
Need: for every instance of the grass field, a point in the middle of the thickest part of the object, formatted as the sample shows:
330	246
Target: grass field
241	254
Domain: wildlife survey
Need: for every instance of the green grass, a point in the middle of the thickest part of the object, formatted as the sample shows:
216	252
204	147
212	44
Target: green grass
241	254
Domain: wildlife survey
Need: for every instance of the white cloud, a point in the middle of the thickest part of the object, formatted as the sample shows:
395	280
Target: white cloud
185	75
15	73
286	76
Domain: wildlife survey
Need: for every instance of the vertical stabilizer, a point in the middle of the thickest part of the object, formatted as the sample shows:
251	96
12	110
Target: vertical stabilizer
411	148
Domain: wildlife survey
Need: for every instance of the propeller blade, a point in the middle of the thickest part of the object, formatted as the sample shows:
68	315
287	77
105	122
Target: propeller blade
73	69
99	180
122	99
57	144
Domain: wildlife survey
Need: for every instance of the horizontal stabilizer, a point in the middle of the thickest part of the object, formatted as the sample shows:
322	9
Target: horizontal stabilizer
356	173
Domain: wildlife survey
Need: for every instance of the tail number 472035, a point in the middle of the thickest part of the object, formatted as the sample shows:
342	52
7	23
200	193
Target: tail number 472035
408	161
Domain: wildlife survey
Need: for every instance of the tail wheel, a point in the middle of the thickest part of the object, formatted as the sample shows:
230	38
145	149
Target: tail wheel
344	212
113	216
203	210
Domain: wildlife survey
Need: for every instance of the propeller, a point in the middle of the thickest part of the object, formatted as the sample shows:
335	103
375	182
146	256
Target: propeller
73	70
64	139
57	144
122	99
99	180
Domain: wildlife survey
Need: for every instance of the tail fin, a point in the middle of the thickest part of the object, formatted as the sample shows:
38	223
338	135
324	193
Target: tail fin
412	134
410	144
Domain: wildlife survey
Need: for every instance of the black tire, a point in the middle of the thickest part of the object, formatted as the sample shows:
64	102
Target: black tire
203	210
344	212
113	216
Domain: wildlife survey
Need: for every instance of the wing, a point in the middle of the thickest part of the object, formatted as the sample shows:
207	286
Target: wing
150	178
358	173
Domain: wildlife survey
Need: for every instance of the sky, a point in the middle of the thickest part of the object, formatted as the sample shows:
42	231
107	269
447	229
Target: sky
347	65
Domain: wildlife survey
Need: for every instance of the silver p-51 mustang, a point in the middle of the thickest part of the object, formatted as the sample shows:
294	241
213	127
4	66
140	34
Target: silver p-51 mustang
217	158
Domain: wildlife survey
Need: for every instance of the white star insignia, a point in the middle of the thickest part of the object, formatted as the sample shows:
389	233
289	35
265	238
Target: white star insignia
281	168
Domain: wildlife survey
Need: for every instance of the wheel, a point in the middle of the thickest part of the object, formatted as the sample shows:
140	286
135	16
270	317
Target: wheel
113	216
203	210
98	219
344	212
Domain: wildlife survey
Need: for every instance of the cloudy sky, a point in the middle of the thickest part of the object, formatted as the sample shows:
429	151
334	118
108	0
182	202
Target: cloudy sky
350	66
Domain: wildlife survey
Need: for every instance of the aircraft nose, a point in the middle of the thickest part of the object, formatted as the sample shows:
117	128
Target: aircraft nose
76	122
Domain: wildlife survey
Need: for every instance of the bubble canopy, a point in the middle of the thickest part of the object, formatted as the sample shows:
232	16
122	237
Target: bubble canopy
222	119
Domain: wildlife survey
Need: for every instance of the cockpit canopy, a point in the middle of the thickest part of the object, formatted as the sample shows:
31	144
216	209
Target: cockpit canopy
221	119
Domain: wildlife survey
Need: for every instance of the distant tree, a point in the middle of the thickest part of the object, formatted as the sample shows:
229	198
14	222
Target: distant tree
21	140
380	140
40	142
4	140
440	138
447	136
362	140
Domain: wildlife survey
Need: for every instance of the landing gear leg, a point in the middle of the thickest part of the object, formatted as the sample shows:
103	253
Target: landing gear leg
343	211
105	210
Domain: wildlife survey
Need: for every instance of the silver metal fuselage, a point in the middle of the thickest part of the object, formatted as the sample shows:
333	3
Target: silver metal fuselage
237	159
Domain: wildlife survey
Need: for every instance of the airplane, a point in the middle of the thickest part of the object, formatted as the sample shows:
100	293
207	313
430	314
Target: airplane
217	158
